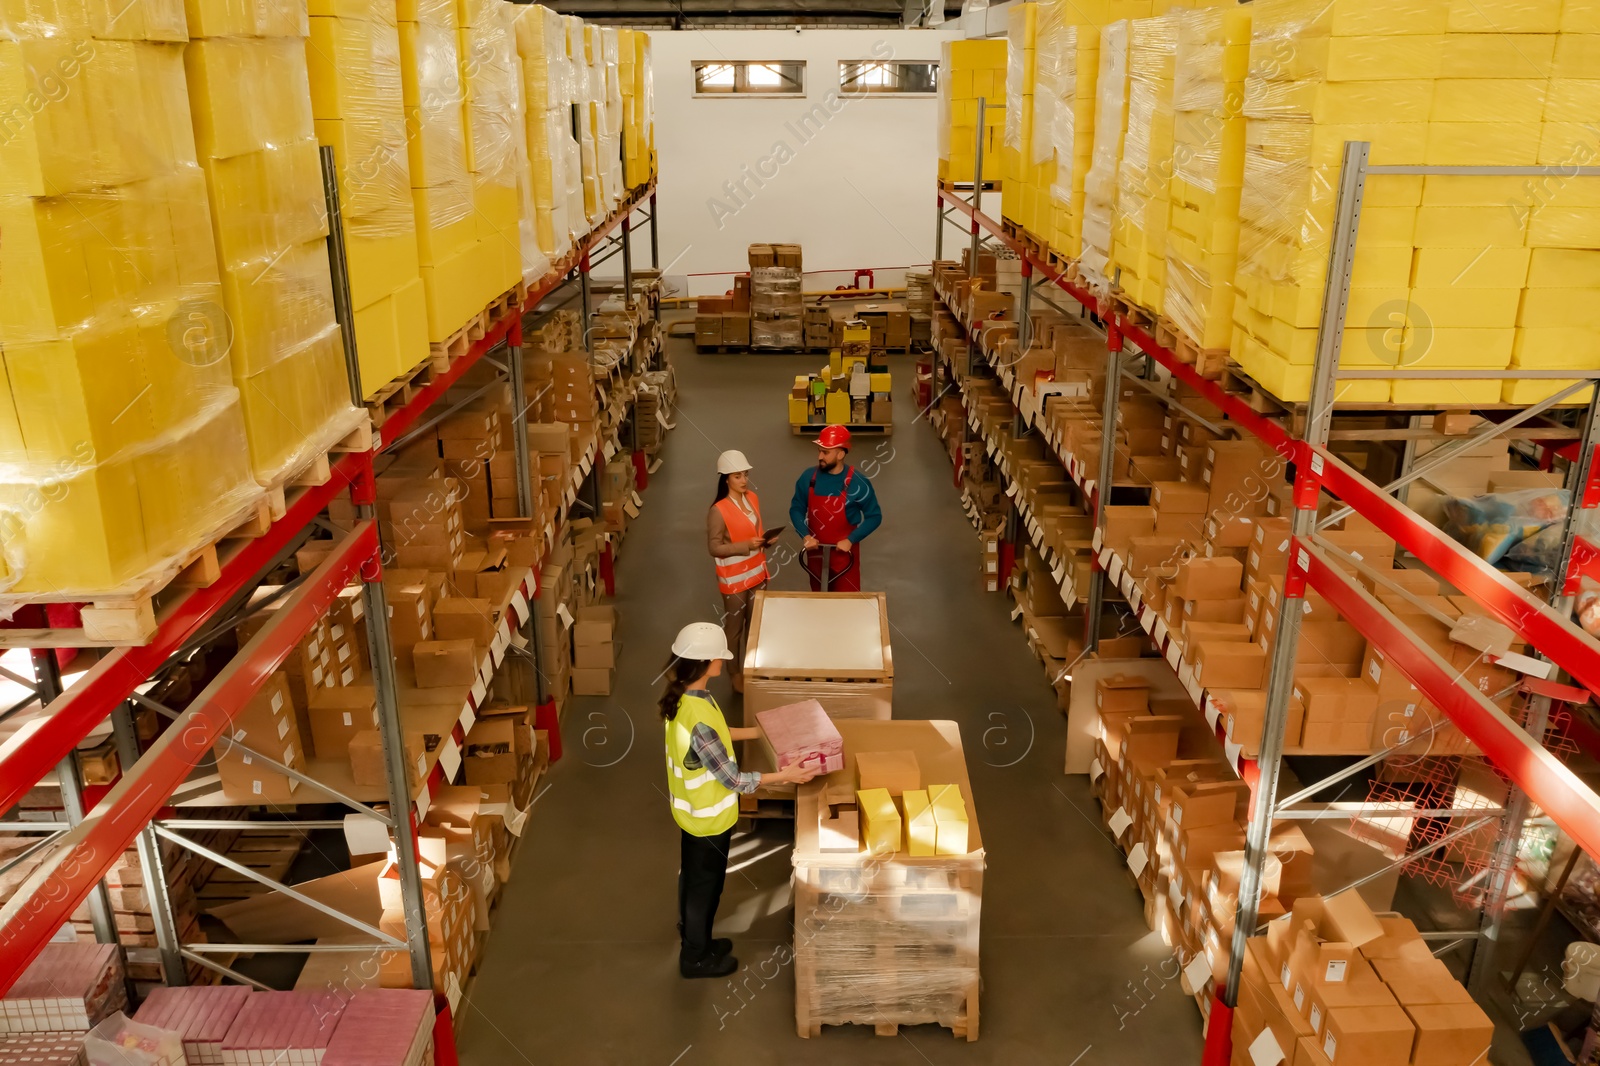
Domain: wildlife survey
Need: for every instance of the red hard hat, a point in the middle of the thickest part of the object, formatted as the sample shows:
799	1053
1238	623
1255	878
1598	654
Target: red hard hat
834	437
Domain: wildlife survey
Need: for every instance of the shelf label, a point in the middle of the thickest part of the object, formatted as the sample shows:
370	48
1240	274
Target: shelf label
1115	570
479	691
1160	631
450	758
1120	822
467	719
1173	657
1198	972
1231	750
1213	713
519	604
1265	1050
1096	771
1138	859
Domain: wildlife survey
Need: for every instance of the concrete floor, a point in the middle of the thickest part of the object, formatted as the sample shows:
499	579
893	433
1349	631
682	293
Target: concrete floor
581	966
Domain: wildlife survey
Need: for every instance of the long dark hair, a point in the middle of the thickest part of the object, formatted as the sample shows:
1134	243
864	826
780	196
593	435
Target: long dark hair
722	488
681	673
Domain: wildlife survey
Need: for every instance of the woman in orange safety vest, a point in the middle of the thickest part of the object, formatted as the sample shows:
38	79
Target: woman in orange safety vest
734	535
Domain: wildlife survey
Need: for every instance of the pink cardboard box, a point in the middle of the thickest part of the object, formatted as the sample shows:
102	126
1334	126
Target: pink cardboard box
803	733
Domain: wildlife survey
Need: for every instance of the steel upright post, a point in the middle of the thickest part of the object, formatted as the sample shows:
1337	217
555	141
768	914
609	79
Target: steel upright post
169	946
627	261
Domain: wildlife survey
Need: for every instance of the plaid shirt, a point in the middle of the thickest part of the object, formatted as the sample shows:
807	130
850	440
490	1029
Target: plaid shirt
706	746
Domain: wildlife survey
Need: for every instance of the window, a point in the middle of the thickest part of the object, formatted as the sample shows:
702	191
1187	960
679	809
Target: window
716	77
888	76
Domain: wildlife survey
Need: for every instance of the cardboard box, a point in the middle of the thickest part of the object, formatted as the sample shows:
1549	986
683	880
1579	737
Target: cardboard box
1446	1034
950	819
591	681
880	821
1121	693
921	831
1370	1036
493	748
442	663
338	714
1230	664
596	624
459	618
894	772
1209	579
595	656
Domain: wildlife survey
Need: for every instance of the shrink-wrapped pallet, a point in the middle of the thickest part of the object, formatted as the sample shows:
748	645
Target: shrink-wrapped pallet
492	87
534	263
1213	49
270	222
1110	126
122	443
353	58
1074	56
1016	169
541	37
970	71
1144	172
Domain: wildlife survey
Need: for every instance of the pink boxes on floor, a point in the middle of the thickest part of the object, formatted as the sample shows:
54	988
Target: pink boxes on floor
384	1027
803	733
282	1028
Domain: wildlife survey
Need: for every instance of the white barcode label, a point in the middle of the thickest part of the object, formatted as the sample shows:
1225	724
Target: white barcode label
347	719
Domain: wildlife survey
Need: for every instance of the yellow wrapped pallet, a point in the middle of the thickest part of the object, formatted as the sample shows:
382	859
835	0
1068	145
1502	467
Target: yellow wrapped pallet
1075	56
122	443
1144	172
1016	156
1213	53
353	61
270	222
638	105
611	115
970	71
534	263
541	37
1110	127
493	107
436	147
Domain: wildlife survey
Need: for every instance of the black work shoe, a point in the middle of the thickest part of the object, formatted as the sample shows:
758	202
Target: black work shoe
721	946
710	966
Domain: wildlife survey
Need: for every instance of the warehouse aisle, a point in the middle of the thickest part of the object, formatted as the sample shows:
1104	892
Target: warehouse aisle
581	966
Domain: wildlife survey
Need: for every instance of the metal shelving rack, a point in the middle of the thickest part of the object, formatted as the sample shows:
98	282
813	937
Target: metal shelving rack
1515	750
137	808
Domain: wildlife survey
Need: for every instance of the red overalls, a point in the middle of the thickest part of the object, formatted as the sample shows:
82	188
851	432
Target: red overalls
825	517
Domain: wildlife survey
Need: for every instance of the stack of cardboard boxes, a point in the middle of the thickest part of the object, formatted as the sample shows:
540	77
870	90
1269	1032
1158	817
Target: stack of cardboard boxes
1332	982
776	296
594	650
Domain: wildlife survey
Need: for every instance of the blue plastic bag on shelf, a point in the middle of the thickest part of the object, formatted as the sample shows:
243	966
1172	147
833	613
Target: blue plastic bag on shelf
1494	525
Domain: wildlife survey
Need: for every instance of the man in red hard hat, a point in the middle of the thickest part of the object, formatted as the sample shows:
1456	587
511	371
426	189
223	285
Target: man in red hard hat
834	505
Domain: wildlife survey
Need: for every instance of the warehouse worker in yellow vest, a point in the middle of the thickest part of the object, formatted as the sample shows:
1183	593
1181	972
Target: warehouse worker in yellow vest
705	782
736	538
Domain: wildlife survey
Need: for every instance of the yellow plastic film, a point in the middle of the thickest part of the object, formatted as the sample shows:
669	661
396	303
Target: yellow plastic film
1110	126
489	73
535	263
1144	173
435	120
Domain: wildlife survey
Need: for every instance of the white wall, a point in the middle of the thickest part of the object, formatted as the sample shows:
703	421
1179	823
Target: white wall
850	179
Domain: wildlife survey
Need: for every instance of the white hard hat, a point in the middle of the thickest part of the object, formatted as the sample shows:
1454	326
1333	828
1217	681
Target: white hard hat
702	641
732	462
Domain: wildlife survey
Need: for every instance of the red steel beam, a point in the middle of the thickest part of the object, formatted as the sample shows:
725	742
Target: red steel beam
1557	637
89	702
51	893
1561	795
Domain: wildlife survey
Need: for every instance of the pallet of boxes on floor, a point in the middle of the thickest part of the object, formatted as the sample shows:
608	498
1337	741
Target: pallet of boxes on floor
850	390
1168	715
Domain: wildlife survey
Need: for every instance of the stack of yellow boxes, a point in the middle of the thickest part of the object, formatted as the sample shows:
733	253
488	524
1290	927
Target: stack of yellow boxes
489	77
354	63
611	114
1072	51
1213	54
638	108
1110	127
541	36
436	144
534	263
1558	321
583	97
270	221
1452	271
1016	153
1144	173
970	71
353	57
122	446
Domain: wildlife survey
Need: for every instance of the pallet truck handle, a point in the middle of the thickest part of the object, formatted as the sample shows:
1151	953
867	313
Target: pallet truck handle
825	579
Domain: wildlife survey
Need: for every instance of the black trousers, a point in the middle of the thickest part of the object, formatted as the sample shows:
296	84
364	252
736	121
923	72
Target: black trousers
702	867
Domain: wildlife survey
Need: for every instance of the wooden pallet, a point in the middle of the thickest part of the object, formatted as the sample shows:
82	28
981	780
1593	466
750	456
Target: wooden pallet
869	428
317	468
989	185
1209	363
1131	311
962	1025
126	617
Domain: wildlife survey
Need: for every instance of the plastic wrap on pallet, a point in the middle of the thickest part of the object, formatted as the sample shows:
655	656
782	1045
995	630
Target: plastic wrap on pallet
541	37
535	264
270	221
122	446
436	114
493	122
886	941
1208	168
1110	125
946	112
1071	132
1144	173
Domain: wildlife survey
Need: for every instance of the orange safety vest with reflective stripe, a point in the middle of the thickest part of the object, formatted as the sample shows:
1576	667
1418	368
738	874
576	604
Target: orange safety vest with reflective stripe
736	573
